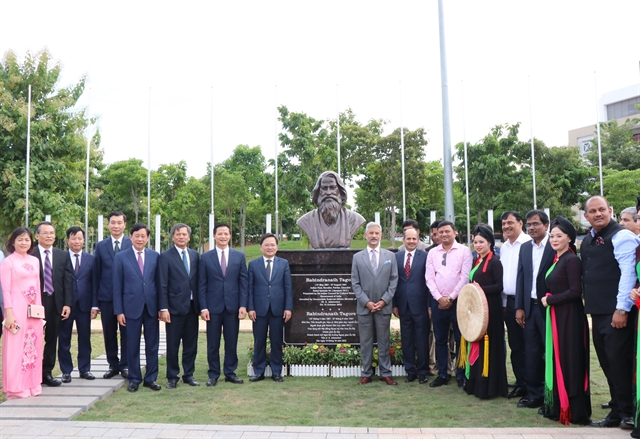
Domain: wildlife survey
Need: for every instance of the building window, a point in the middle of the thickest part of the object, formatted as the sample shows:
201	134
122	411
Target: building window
621	109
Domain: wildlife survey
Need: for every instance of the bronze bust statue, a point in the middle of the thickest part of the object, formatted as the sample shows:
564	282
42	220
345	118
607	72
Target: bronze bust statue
331	225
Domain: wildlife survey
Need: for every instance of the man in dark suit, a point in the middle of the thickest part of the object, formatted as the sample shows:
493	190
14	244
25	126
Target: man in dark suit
56	289
82	298
374	277
103	293
178	301
534	260
135	303
222	294
411	305
270	306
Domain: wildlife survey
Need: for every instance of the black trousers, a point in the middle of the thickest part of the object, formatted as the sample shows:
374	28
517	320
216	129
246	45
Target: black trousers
51	331
229	321
182	329
615	350
110	328
414	334
515	336
534	345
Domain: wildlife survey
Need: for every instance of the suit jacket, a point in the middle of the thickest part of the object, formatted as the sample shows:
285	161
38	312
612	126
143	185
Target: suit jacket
412	294
62	280
103	269
131	289
83	282
524	278
370	287
217	292
175	285
275	292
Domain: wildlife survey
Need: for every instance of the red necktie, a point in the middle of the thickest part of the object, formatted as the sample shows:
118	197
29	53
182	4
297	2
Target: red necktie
407	266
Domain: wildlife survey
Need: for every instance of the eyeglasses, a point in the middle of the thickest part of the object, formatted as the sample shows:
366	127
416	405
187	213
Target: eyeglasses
444	259
536	224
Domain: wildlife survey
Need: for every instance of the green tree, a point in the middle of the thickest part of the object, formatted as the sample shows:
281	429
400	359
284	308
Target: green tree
619	150
58	144
620	187
125	186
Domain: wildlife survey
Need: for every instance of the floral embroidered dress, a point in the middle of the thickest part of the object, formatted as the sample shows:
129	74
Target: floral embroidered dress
22	351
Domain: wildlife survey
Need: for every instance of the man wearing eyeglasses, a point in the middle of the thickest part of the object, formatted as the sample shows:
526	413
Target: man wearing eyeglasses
448	267
608	272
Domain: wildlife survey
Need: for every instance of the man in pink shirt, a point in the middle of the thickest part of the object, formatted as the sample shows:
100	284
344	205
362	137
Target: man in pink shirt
448	267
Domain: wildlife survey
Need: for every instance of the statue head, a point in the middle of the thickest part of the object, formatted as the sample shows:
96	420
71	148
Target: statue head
330	195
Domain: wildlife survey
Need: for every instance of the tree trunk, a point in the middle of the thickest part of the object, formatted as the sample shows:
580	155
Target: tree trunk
136	205
243	216
392	229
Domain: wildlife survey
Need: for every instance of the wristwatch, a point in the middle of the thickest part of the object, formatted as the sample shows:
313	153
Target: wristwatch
450	299
622	312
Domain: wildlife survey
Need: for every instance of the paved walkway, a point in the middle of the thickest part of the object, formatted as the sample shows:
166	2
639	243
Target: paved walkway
21	429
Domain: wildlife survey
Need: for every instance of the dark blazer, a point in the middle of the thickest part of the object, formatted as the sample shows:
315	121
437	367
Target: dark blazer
131	290
83	282
175	286
275	293
103	269
412	294
62	280
217	292
525	275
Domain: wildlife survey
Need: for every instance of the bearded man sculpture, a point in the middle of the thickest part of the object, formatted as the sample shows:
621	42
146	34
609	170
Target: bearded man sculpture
331	225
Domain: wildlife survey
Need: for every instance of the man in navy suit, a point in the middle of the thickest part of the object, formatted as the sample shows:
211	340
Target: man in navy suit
81	299
222	294
135	303
103	293
411	305
535	259
178	301
270	306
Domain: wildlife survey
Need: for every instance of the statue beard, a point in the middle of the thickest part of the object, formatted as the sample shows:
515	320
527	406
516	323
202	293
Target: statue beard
329	210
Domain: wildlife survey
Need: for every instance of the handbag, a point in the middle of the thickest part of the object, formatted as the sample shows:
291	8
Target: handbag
35	312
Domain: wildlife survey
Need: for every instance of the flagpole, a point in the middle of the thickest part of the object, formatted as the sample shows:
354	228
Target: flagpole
466	168
28	157
446	132
275	141
533	158
404	199
338	125
86	185
212	217
149	166
595	84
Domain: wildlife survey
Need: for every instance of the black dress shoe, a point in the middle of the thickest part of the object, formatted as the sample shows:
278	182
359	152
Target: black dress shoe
110	374
256	378
461	382
133	387
627	423
51	381
531	403
233	379
541	410
606	423
410	378
152	385
171	384
191	382
87	376
517	392
212	382
422	379
66	378
277	378
440	381
125	373
606	406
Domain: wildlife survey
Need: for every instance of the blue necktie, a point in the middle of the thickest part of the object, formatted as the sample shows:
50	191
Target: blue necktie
184	261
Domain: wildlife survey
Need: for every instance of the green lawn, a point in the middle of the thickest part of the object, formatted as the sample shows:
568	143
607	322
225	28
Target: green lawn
320	401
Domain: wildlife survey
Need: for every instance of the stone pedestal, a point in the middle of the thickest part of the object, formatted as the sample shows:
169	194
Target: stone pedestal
324	306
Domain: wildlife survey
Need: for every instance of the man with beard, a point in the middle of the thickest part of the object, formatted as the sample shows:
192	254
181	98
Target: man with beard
331	225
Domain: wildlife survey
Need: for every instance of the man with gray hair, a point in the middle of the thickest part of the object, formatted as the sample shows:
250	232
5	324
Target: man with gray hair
629	220
331	225
178	303
374	277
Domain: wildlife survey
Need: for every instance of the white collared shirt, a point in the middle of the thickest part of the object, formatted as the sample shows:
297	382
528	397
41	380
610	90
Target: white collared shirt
43	256
265	264
135	252
113	242
406	255
536	255
220	251
377	254
509	256
186	252
75	260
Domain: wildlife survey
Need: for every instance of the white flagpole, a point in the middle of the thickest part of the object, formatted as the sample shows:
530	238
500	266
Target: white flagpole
404	199
28	157
275	141
212	217
338	125
533	159
595	84
149	166
446	131
466	167
86	184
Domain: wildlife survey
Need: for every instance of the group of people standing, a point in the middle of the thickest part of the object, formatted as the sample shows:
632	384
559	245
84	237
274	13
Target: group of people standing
46	290
536	286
